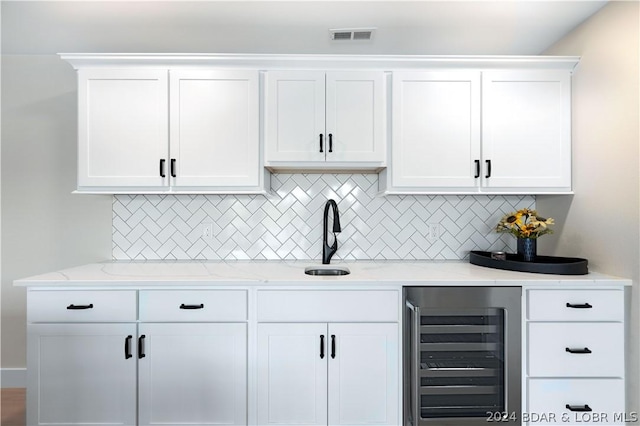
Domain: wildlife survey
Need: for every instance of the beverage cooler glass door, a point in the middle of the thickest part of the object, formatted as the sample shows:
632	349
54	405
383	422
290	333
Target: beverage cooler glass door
462	362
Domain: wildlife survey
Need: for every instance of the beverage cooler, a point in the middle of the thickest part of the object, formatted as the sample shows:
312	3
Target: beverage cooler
462	358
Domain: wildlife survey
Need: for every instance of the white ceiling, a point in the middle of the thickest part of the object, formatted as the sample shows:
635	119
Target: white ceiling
510	27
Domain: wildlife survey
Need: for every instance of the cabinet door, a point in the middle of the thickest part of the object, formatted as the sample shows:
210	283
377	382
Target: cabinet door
292	374
436	130
355	112
123	119
215	128
79	374
364	382
193	374
295	116
526	129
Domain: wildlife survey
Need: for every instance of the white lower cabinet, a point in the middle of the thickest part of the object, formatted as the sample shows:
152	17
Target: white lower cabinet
335	373
292	374
192	374
328	357
576	401
575	362
81	374
106	358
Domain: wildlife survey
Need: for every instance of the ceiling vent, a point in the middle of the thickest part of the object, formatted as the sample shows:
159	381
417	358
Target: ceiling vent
354	34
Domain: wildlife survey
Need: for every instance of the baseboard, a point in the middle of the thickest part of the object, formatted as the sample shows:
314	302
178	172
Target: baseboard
13	377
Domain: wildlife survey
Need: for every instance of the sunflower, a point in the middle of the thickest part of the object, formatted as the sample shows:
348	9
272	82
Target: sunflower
525	223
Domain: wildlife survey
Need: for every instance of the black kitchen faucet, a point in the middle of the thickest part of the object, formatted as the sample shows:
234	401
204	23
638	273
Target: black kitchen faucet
329	251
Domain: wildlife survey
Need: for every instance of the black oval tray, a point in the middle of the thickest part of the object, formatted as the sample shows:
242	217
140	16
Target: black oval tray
541	264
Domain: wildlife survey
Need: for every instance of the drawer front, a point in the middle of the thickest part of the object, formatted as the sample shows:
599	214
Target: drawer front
328	305
550	397
81	306
193	305
584	305
548	355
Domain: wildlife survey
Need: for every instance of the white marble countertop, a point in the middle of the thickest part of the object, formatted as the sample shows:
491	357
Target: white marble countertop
288	273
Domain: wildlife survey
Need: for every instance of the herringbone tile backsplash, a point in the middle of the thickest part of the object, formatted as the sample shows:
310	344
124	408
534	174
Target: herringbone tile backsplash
288	225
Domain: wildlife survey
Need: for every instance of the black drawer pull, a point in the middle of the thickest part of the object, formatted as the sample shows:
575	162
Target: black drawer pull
321	143
200	306
77	307
141	353
330	142
162	173
488	175
333	346
578	351
581	408
579	305
322	346
127	347
477	175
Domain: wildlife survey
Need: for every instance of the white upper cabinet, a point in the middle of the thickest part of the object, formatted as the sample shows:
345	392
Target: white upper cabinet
221	123
214	129
479	131
295	116
123	127
526	129
436	129
323	120
149	130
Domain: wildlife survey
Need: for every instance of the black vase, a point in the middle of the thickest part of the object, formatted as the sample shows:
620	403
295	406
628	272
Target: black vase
527	248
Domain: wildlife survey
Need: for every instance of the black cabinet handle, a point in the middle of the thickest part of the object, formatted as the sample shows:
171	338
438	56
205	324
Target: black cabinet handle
579	305
200	306
477	162
141	353
173	167
162	173
330	142
488	162
321	143
578	351
582	408
322	346
127	347
333	346
77	307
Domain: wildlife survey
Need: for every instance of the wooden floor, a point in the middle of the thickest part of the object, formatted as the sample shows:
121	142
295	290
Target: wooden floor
12	406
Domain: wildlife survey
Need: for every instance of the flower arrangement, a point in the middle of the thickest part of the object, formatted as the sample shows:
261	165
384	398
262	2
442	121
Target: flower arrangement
525	223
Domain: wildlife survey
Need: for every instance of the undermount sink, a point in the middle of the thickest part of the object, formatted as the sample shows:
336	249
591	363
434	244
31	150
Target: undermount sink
331	271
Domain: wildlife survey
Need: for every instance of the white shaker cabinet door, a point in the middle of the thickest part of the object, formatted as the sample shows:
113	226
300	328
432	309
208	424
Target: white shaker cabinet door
526	129
292	374
193	374
295	116
123	119
363	374
436	130
81	374
215	138
355	114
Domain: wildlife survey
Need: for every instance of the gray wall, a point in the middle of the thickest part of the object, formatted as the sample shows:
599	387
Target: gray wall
602	220
44	226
